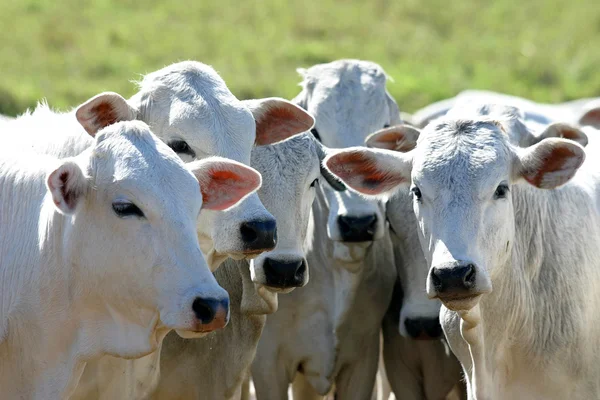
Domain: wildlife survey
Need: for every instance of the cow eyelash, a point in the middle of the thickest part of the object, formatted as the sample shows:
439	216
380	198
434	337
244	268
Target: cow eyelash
126	209
181	147
501	191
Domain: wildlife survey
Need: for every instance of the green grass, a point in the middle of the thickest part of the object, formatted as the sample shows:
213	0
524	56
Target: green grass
69	50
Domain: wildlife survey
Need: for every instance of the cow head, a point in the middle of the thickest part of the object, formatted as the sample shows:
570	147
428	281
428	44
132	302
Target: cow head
461	177
349	100
133	207
190	108
291	173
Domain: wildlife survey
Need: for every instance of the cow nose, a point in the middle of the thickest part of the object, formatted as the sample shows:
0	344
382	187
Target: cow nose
284	274
259	235
423	328
211	313
456	278
357	229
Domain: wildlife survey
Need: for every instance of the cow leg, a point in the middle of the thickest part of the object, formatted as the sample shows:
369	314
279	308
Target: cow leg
356	381
270	379
302	390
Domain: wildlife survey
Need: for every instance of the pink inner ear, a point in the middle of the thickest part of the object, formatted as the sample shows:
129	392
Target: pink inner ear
104	114
226	188
393	141
361	173
591	118
280	123
553	162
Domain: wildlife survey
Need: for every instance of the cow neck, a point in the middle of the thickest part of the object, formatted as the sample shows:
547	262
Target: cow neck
546	284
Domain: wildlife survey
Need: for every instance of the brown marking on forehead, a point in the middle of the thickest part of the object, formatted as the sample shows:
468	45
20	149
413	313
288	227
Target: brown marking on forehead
279	123
360	170
552	162
105	114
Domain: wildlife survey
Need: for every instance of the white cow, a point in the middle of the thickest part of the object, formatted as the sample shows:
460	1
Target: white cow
577	112
189	107
509	234
215	367
327	333
100	255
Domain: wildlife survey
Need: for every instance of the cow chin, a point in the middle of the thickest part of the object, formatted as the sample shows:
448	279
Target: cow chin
190	334
351	254
461	304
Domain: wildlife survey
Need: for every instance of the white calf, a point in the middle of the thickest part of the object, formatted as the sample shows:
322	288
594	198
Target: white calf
215	367
103	257
312	339
514	266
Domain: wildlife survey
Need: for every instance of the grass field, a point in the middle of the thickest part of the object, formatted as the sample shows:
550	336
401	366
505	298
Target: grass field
69	50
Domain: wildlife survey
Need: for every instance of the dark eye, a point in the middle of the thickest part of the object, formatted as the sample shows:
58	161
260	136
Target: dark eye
315	133
416	192
314	183
386	126
124	209
501	191
181	147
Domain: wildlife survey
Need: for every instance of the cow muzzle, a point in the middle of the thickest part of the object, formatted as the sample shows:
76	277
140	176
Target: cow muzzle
357	229
258	236
457	284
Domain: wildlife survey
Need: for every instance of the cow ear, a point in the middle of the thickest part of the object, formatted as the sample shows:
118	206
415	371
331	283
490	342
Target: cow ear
561	130
370	172
223	182
550	163
103	110
278	119
67	185
401	138
591	117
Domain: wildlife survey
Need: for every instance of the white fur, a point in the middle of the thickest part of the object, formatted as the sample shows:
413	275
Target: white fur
535	335
327	333
80	285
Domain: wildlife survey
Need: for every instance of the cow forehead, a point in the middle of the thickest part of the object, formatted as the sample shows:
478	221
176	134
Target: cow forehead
467	152
190	101
286	164
127	156
348	100
214	128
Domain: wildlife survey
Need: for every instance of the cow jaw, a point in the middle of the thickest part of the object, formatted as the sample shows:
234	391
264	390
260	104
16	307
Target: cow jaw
351	254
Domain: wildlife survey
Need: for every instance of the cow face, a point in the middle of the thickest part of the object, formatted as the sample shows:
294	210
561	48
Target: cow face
462	175
191	109
349	101
291	174
134	207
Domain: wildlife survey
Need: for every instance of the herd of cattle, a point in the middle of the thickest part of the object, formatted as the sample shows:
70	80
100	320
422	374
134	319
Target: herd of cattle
451	253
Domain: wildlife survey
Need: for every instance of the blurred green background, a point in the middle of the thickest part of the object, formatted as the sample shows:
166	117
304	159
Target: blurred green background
69	50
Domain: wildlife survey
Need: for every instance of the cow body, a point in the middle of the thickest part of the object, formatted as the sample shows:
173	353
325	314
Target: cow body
509	242
73	291
327	334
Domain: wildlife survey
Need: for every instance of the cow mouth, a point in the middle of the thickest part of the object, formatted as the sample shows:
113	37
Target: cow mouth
186	334
460	302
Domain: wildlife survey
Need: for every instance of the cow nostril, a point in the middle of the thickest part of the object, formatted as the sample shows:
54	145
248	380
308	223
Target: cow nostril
470	275
248	232
203	310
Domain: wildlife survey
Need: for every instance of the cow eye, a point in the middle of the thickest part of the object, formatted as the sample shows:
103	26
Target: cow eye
416	192
315	133
501	191
126	209
181	147
386	126
314	183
